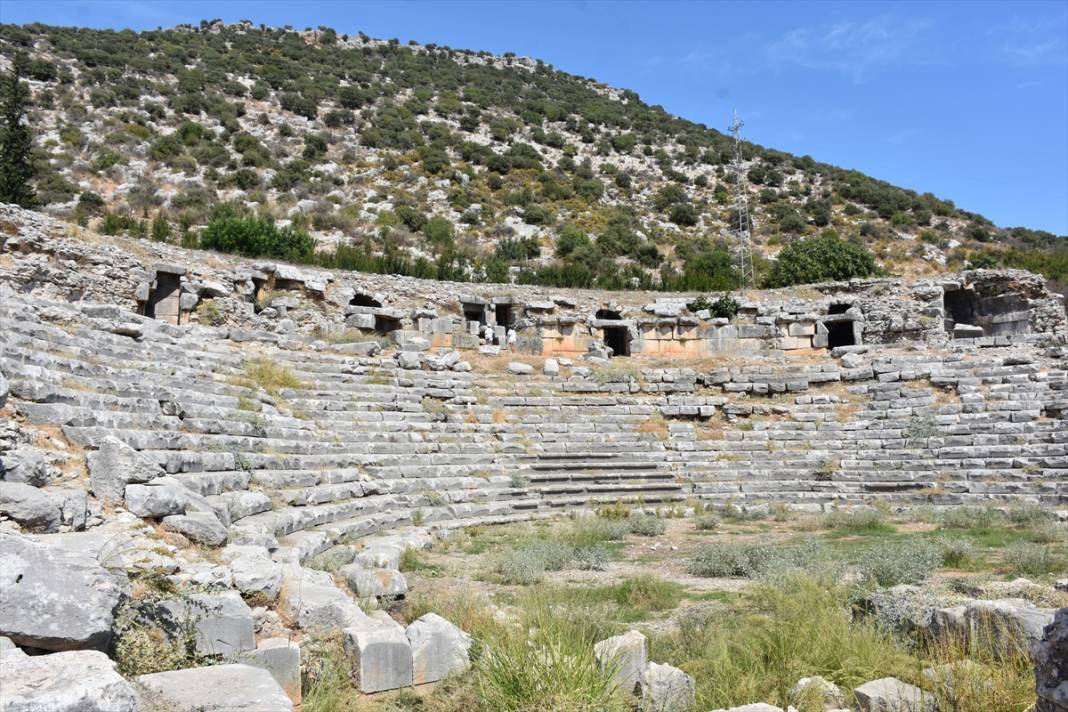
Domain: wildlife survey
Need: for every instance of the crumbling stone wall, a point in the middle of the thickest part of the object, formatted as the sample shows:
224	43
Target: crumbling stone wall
42	257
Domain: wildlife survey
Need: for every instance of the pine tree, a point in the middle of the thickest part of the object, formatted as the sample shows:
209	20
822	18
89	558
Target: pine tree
16	141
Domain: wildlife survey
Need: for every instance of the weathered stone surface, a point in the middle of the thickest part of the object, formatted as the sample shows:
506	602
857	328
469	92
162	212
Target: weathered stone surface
312	600
4	390
366	582
255	574
201	527
29	506
223	621
281	658
71	681
667	689
755	707
381	656
113	465
1009	621
627	653
25	464
163	497
888	694
1051	665
220	688
439	648
8	647
54	599
817	686
518	368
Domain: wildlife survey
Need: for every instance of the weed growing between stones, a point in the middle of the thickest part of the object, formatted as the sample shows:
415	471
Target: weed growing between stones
267	375
786	630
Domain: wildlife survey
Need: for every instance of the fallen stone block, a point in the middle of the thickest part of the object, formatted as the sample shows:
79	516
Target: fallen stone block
25	464
54	599
223	621
366	582
114	465
439	648
381	656
30	507
220	688
71	681
889	694
627	654
518	368
667	689
281	658
163	497
201	527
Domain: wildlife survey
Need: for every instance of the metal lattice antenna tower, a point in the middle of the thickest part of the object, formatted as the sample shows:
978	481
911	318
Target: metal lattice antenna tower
744	247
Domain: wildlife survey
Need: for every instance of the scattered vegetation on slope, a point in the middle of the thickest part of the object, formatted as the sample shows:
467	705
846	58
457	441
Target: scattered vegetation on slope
444	163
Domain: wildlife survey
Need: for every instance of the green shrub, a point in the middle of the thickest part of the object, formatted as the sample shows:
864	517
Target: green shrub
594	557
256	237
820	259
647	525
970	517
956	552
1031	559
520	567
706	522
595	530
1029	514
860	520
895	562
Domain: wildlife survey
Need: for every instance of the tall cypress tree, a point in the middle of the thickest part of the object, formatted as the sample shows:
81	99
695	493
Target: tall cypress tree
16	141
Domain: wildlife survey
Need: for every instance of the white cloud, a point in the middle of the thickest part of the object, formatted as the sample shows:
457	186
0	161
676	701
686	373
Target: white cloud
855	49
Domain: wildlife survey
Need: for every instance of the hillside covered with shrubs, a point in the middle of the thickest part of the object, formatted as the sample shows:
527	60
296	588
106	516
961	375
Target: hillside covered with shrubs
355	153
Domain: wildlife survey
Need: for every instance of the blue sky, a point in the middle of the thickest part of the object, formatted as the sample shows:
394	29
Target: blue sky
966	100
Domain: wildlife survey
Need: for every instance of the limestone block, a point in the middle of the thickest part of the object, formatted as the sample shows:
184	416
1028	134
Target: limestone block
381	656
223	621
551	367
219	688
255	574
29	506
71	681
361	321
755	707
366	582
54	599
380	556
315	603
628	653
439	648
281	658
160	498
1051	665
409	360
114	465
518	368
201	527
359	348
889	694
25	464
667	689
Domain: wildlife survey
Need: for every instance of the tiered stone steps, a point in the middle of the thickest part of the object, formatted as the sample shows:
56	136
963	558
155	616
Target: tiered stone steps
364	446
